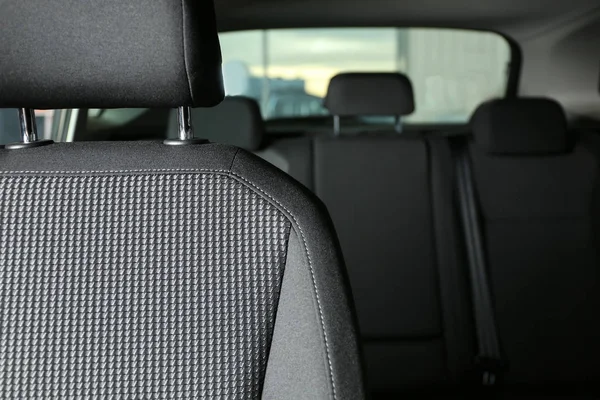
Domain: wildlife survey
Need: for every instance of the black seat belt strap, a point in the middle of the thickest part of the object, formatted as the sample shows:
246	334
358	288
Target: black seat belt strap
489	358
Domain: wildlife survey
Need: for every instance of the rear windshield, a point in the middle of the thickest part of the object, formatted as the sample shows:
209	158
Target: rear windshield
288	70
9	124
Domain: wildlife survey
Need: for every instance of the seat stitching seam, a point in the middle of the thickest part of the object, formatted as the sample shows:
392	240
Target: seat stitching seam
194	170
233	160
254	186
312	274
185	64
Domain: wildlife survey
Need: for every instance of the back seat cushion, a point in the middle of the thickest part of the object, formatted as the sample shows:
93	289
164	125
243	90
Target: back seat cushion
543	262
378	195
377	192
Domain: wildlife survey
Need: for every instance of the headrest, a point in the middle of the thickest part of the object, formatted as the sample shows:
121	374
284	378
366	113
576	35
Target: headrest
109	54
236	121
520	126
370	94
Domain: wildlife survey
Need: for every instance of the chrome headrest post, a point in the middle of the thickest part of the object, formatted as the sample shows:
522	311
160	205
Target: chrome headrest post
28	125
28	131
185	130
398	126
336	125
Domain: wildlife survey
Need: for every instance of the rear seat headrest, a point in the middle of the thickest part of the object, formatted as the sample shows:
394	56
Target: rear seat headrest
370	94
236	121
520	126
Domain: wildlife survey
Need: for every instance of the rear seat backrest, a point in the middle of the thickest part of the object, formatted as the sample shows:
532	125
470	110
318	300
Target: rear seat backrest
538	199
378	189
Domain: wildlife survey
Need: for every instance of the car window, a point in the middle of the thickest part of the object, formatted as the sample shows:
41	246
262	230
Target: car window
9	124
288	70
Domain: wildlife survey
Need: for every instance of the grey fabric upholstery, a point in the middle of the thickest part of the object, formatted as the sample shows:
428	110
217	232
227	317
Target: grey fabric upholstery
521	126
283	380
112	250
370	94
117	53
330	297
236	121
206	249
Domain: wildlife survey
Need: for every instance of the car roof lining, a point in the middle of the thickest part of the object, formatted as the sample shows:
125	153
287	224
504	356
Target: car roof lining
515	18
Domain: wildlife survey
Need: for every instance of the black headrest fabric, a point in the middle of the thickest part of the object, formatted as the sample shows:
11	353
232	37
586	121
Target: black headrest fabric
520	126
363	93
109	54
236	121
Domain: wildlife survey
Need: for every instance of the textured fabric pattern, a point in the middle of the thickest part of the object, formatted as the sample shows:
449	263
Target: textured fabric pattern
136	286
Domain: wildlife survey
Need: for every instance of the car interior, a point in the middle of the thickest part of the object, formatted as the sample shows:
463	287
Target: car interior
250	199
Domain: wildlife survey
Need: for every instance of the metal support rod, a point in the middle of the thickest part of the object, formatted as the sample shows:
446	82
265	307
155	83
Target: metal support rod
186	131
336	125
266	84
28	125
